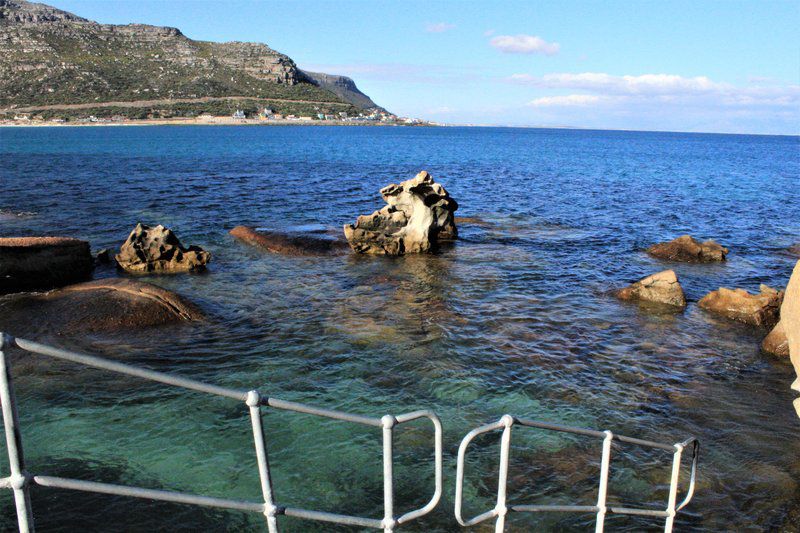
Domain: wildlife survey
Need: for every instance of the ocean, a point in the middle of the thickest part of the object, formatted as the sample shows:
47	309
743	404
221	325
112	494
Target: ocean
517	317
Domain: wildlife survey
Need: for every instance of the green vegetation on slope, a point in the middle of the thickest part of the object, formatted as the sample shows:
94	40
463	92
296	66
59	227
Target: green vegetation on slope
51	57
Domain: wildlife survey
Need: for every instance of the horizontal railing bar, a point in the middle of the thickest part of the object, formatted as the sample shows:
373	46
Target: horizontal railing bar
122	368
333	517
5	483
642	442
328	413
638	512
592	433
557	427
150	494
554	508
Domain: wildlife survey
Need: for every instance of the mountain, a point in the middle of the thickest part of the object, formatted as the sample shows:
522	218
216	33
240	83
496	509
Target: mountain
342	86
53	62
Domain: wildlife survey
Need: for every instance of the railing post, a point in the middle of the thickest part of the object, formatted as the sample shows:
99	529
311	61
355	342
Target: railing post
502	480
270	510
388	422
16	461
673	488
602	490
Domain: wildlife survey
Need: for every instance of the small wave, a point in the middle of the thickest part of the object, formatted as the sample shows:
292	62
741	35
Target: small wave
12	214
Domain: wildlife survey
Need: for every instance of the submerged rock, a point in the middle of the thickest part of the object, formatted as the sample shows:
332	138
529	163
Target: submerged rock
775	342
101	305
472	221
419	215
289	244
689	250
761	309
157	249
38	263
662	287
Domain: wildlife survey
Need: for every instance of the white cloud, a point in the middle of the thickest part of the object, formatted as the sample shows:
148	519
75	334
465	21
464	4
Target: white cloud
643	84
488	33
569	100
658	89
438	27
524	44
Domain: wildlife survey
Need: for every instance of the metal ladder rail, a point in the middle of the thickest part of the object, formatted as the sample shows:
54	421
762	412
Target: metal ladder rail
501	508
20	480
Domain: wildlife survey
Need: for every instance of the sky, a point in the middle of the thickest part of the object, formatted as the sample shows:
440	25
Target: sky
710	66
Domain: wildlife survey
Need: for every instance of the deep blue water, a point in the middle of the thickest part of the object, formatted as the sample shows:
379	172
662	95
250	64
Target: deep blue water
516	317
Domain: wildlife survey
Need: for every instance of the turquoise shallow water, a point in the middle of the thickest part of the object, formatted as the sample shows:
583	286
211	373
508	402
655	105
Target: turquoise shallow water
516	317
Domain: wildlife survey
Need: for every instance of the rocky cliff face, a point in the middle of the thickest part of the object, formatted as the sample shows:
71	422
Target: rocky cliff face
52	57
342	86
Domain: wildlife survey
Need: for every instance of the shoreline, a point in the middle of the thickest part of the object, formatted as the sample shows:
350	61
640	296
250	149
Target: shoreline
227	121
216	121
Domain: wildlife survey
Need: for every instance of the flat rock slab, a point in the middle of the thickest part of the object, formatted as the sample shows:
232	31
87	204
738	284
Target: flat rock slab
96	306
761	309
41	263
288	243
689	250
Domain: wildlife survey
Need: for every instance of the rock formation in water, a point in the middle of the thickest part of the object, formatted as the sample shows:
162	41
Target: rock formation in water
158	250
688	250
790	317
662	287
775	342
419	215
761	309
101	305
37	263
289	244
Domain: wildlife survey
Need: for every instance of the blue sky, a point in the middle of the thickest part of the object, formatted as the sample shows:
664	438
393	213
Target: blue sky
725	66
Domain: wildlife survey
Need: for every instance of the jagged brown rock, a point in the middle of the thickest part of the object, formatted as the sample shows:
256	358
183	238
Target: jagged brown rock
157	249
289	244
689	250
95	306
419	216
775	342
38	263
761	309
662	287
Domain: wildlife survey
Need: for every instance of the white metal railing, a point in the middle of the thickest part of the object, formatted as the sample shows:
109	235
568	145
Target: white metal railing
502	508
20	481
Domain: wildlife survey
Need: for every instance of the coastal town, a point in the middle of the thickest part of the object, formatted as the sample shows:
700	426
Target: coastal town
264	116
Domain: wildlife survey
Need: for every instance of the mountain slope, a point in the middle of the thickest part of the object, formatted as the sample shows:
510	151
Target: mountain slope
50	57
342	86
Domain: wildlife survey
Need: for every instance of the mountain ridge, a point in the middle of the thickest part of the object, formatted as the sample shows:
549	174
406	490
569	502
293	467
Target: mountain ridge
50	57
